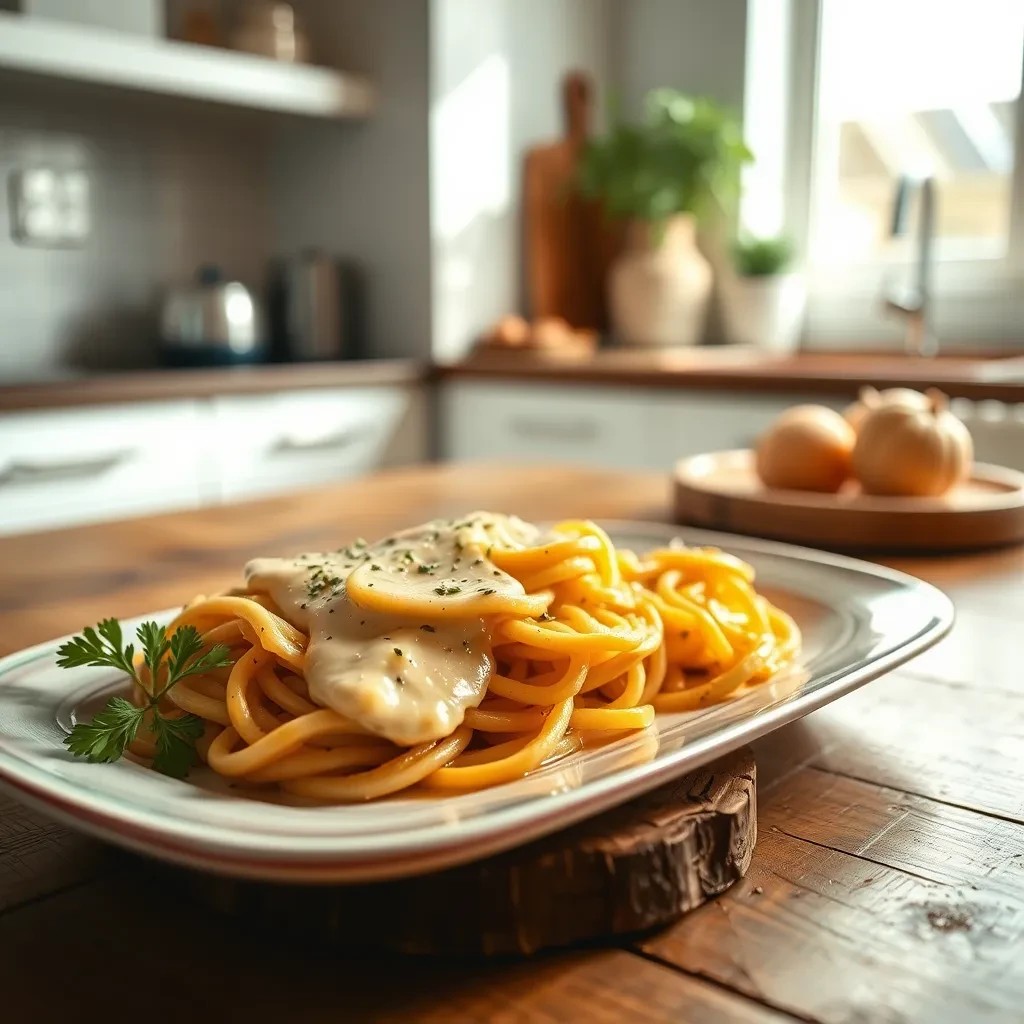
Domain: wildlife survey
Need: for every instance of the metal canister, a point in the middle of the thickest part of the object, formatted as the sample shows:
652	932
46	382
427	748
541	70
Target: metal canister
312	308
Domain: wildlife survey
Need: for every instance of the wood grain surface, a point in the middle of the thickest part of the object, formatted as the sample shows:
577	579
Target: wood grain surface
633	868
887	884
730	368
162	385
739	368
722	491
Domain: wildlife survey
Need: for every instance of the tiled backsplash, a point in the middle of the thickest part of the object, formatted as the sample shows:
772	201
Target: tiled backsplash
172	186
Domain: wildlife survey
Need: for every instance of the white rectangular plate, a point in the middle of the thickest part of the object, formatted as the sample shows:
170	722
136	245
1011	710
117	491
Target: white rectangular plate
858	621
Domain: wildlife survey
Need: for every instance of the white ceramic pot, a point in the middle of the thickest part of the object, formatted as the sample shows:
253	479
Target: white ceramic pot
767	312
658	293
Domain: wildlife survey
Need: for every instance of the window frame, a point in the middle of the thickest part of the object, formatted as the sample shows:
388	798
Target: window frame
975	300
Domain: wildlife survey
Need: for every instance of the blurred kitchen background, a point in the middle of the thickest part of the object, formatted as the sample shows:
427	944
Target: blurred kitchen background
247	247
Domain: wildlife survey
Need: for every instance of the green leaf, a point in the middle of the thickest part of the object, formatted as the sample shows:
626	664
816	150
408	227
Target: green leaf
110	630
759	257
684	155
107	736
155	646
109	733
185	643
79	651
186	660
176	743
98	647
218	656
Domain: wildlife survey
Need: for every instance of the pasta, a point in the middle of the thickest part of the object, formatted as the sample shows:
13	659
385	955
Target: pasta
460	655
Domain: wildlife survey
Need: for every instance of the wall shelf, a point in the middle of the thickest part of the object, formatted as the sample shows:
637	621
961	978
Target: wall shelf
82	54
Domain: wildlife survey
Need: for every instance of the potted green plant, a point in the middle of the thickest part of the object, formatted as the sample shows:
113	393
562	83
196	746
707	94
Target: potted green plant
680	164
763	299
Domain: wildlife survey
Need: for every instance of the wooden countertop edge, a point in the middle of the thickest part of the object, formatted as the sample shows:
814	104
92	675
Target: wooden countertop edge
170	385
762	378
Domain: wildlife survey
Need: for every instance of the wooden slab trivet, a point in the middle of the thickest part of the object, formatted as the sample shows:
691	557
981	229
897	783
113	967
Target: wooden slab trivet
634	868
721	491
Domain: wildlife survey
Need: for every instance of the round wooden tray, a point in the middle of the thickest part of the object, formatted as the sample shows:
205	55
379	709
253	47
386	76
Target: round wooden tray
721	490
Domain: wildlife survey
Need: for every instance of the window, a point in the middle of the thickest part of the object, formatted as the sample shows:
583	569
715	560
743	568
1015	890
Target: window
919	87
876	89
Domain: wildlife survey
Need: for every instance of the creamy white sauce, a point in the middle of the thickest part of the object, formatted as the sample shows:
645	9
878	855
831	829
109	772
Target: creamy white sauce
406	675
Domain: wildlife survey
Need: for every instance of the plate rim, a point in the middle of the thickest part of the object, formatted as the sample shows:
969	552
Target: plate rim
318	859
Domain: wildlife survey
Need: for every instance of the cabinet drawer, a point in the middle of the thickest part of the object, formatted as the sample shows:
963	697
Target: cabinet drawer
640	429
82	465
271	443
690	422
591	426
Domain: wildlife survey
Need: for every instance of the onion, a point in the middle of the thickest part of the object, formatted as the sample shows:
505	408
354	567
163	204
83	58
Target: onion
905	449
807	448
870	398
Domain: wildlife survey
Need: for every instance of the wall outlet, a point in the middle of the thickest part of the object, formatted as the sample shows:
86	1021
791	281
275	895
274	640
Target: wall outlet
50	207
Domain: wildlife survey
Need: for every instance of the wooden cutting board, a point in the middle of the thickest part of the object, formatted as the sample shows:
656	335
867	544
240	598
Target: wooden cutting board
631	869
568	244
721	490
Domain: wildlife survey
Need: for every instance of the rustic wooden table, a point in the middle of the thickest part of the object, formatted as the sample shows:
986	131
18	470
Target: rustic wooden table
887	884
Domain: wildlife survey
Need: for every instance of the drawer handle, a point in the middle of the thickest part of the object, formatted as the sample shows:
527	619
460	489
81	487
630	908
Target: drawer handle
72	469
337	441
565	430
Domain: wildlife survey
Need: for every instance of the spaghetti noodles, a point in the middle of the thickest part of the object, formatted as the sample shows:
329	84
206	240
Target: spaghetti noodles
459	655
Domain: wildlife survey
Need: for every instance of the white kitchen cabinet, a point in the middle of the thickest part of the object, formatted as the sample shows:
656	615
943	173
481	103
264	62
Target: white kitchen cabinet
629	428
63	468
997	429
59	468
691	422
547	423
287	440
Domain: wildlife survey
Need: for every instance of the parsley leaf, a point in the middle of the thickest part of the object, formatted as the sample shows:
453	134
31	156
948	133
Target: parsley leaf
108	734
155	644
101	651
217	656
111	731
176	744
185	644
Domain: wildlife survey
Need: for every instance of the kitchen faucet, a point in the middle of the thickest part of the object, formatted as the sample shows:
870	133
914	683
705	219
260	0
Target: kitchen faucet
914	302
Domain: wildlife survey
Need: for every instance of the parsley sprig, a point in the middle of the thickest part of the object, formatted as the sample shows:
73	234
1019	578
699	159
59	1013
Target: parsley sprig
111	731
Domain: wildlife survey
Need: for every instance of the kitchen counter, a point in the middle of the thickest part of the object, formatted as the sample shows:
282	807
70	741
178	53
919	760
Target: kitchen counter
161	385
722	369
887	881
741	369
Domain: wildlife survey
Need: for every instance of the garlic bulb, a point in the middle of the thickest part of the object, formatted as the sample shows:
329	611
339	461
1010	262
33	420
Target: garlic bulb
807	448
870	398
905	449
